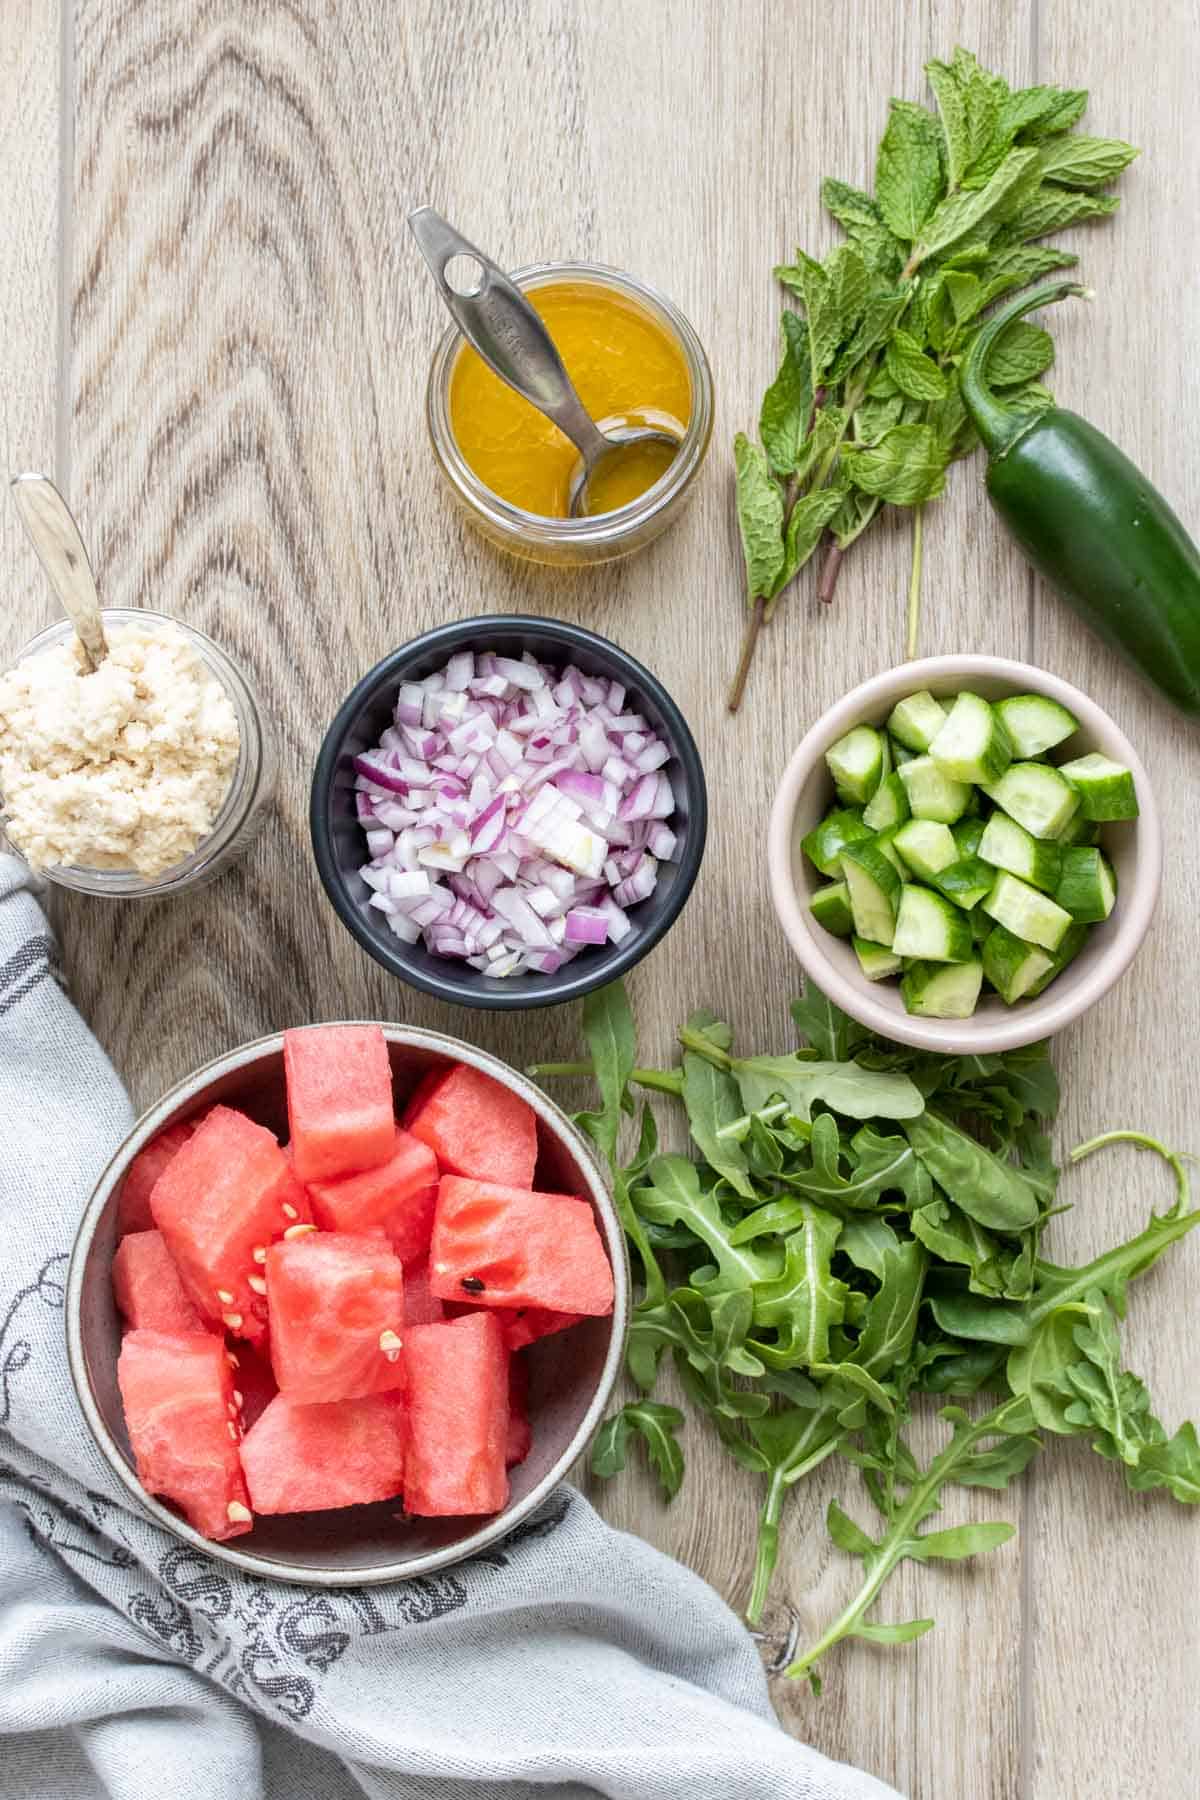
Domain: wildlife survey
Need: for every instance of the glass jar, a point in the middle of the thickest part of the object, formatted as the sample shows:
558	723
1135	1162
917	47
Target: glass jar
603	536
250	788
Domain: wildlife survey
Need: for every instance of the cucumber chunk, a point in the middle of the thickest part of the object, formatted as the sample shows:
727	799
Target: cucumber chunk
1067	951
967	834
1078	830
973	744
1027	914
1105	788
1036	796
875	961
830	907
1007	845
966	882
931	794
941	990
930	927
1011	965
886	841
1035	724
874	888
858	763
825	842
888	805
1088	888
915	722
926	847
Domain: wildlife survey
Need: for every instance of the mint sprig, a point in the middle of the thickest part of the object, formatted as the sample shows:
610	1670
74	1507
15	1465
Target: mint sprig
865	410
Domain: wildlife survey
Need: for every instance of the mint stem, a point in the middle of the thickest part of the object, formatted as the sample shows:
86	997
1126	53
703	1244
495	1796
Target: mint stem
749	645
830	569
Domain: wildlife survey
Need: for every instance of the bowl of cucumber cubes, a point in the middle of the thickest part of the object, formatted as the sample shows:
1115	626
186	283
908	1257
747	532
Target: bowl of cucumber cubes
965	853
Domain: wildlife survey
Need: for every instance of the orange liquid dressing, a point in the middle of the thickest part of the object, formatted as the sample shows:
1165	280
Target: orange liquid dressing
624	365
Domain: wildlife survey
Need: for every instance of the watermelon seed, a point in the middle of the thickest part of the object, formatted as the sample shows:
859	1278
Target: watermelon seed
295	1231
260	1254
231	1408
238	1398
233	1320
232	1429
257	1283
239	1514
224	1296
390	1344
290	1210
472	1284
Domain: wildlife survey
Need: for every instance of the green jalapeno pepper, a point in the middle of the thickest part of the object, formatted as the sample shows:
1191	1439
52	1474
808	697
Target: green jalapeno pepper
1090	522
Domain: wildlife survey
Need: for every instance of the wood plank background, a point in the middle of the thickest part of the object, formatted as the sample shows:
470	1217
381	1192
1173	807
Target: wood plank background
218	335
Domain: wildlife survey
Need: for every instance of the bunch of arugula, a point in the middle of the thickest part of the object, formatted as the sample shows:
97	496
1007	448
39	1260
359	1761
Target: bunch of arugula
861	1224
866	406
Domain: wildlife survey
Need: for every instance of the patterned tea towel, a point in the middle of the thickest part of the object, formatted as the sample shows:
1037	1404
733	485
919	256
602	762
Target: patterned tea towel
571	1661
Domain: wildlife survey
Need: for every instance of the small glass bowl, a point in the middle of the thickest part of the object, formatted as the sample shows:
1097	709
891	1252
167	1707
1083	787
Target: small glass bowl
606	536
250	788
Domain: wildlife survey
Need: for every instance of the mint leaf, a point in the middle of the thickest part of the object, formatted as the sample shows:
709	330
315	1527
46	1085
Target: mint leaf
1084	162
1047	108
969	109
908	171
1052	209
967	210
905	467
853	516
1020	353
912	371
965	293
787	404
760	517
1014	268
839	306
807	520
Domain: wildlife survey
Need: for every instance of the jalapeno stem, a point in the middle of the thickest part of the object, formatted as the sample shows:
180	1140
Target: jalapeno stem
1000	425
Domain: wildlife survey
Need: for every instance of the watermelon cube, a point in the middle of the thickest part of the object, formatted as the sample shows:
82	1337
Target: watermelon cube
506	1246
133	1208
475	1126
254	1383
399	1195
177	1390
457	1417
147	1288
337	1314
519	1442
339	1094
529	1323
313	1458
421	1305
226	1195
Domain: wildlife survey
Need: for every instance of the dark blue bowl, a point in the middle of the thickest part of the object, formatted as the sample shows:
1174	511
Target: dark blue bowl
341	850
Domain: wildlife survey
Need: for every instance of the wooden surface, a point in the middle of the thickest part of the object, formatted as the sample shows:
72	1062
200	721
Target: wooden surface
217	331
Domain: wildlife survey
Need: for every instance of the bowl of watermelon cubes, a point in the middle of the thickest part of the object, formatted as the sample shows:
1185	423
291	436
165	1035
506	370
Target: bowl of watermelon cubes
965	853
347	1304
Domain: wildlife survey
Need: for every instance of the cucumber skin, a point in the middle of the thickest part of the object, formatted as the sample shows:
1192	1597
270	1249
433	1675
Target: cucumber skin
1067	951
959	942
830	907
876	961
1005	958
842	825
918	979
1106	540
966	882
1079	885
967	834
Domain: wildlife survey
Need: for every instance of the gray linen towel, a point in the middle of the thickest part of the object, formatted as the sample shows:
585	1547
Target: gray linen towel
573	1661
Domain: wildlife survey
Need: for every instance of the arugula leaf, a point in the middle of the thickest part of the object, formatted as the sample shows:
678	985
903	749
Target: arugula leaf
1084	162
908	170
783	420
712	1100
657	1425
1174	1464
843	1087
608	1030
760	517
891	1322
674	1196
990	1191
832	1033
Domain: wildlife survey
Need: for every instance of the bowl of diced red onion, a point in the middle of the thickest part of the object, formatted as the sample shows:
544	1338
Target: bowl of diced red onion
508	812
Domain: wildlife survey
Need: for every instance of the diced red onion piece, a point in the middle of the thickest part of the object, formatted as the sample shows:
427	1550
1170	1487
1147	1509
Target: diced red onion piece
460	671
653	756
586	925
661	842
638	886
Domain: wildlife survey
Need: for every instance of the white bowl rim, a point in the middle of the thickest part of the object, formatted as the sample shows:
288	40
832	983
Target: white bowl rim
496	1528
1026	1023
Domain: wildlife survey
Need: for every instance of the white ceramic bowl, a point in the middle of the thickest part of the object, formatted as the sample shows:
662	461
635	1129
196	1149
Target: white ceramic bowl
806	792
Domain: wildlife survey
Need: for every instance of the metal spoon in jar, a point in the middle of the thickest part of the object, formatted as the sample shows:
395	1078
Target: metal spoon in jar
497	320
55	536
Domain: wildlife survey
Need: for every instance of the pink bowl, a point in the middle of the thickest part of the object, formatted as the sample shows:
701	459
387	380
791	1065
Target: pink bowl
806	791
